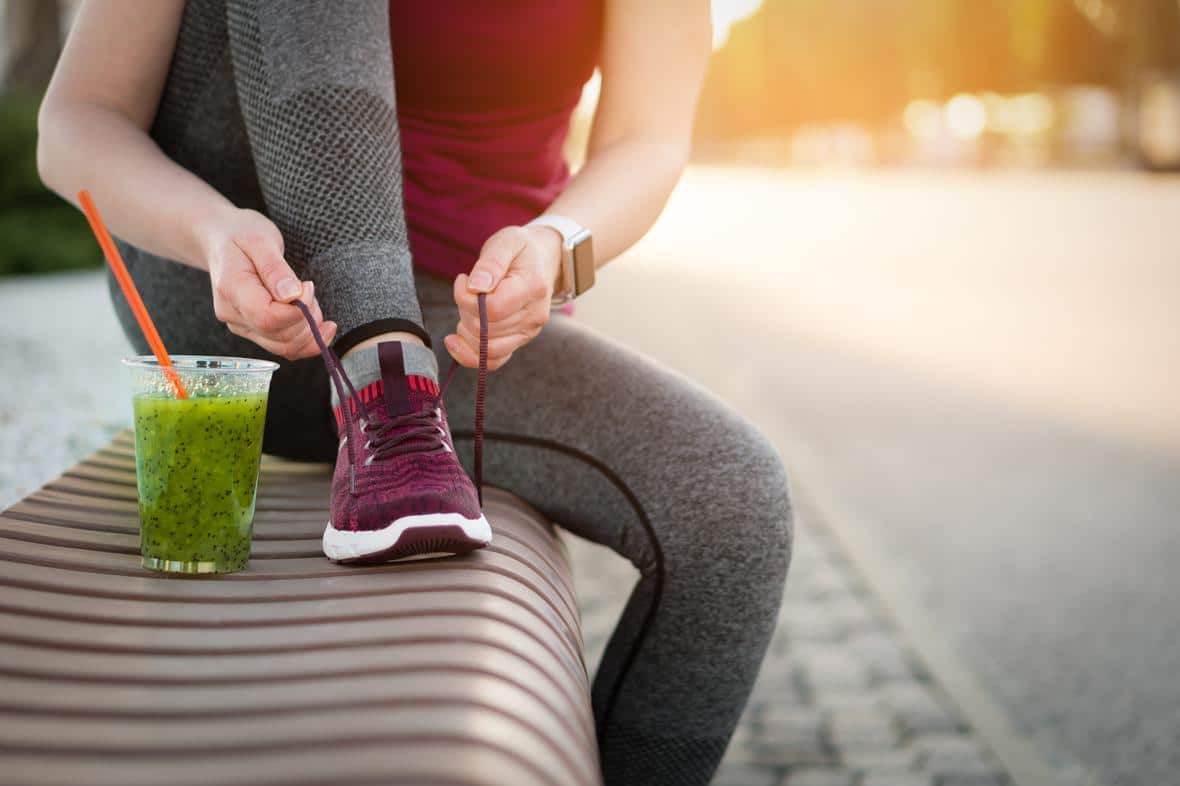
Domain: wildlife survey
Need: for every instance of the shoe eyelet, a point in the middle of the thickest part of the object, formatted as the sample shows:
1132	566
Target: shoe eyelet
368	444
368	461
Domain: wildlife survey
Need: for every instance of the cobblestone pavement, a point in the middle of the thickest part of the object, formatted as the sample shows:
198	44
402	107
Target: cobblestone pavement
840	700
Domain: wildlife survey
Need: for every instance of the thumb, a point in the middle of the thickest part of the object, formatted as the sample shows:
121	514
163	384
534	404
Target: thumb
275	273
495	258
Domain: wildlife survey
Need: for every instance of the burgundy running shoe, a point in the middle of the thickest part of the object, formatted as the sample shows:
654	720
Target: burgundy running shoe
398	491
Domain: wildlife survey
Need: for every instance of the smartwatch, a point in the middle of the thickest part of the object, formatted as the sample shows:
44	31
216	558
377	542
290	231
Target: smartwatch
577	257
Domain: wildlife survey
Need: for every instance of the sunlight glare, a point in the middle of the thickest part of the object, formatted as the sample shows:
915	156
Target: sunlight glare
923	119
966	116
726	13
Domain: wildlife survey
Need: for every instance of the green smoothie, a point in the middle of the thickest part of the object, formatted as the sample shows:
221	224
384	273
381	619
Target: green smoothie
196	464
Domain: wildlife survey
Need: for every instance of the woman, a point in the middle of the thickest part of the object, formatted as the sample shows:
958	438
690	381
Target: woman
237	146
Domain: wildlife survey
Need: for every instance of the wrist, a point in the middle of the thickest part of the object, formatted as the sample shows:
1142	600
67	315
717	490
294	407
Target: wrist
551	243
205	228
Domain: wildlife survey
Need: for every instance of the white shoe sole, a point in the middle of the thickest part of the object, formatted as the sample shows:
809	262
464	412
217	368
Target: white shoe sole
410	537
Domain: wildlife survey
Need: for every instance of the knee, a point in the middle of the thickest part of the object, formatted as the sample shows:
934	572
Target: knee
765	496
744	491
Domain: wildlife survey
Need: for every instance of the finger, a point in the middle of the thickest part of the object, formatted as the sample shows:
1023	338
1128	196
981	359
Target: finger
313	305
512	295
264	314
291	334
495	258
313	302
300	347
517	323
499	362
296	332
225	311
309	347
273	347
497	347
465	298
272	269
462	353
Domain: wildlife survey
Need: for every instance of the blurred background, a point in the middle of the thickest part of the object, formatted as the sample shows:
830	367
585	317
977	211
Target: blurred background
941	236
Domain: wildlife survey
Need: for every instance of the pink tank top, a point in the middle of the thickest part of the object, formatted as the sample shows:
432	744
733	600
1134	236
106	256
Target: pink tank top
484	97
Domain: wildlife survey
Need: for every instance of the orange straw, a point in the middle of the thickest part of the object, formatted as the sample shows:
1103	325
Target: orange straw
129	291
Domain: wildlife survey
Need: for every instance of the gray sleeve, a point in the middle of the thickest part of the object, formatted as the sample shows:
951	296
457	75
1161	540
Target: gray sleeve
315	85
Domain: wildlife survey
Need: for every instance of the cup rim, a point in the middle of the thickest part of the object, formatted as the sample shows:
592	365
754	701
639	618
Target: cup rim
193	364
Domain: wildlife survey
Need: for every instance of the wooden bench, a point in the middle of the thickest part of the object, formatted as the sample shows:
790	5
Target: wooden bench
297	671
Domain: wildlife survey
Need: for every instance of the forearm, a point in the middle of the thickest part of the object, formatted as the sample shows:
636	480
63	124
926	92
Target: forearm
316	91
147	199
621	191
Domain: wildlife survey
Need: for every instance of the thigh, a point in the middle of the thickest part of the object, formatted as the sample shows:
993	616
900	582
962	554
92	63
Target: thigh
624	452
180	301
616	447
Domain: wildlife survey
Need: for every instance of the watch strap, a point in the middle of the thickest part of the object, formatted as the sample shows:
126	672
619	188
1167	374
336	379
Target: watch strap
568	229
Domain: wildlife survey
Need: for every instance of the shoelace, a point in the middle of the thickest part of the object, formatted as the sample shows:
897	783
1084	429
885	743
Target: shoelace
418	429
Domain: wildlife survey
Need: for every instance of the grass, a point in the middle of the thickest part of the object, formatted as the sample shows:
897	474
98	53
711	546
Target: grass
39	232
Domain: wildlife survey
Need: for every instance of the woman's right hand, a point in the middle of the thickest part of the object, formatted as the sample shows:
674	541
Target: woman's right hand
254	287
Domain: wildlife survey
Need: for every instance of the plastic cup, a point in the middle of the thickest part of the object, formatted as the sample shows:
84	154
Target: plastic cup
196	460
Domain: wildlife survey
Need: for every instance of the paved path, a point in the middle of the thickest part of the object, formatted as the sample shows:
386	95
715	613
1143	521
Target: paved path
64	392
984	371
840	700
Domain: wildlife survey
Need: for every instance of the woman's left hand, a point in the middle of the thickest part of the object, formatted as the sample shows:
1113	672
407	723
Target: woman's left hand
518	268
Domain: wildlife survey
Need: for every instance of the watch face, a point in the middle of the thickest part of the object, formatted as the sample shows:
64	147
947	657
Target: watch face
583	252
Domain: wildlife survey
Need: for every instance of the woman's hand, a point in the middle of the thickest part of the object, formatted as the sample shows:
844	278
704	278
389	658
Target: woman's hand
518	268
253	286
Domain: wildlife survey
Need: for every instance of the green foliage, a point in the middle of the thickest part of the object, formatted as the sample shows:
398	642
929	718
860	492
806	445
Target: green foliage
39	232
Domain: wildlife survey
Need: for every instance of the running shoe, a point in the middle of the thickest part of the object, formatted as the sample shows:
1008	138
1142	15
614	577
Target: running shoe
398	491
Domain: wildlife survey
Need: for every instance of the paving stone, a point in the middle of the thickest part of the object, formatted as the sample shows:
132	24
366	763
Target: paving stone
917	708
824	580
928	720
793	717
897	779
943	767
790	739
855	616
742	753
809	621
945	744
907	691
863	730
970	780
814	776
736	774
882	654
835	699
832	667
881	762
945	755
777	686
792	752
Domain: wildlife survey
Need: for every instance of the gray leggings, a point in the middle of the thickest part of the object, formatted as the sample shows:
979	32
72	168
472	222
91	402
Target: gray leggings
598	438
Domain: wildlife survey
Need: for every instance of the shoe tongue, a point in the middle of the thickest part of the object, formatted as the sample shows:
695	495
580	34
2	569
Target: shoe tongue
402	392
